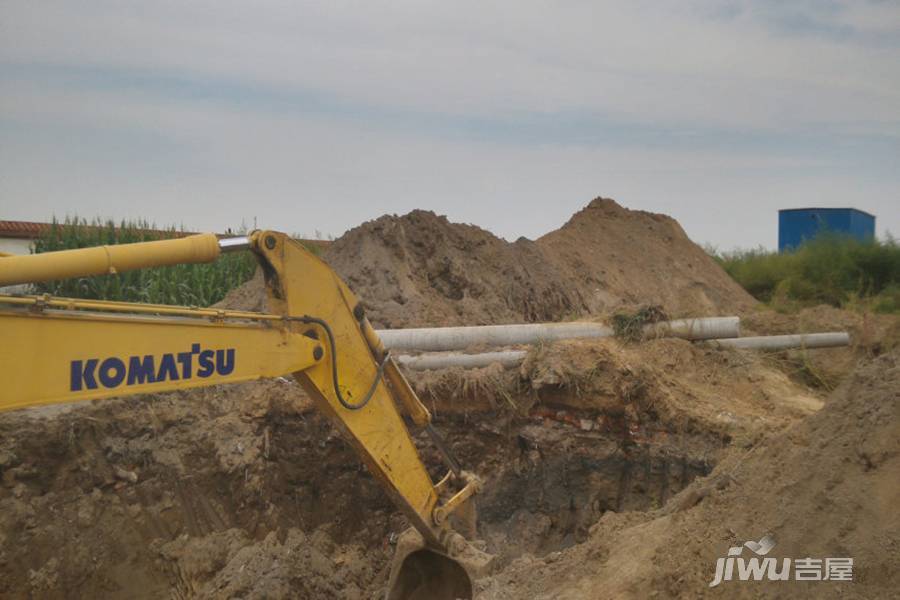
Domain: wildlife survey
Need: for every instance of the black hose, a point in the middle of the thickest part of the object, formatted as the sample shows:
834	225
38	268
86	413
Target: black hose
334	371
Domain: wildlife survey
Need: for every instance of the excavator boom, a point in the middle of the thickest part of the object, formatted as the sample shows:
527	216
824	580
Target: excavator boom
64	350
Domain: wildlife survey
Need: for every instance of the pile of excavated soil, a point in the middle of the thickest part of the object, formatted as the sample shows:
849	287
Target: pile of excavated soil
249	296
422	270
826	487
618	256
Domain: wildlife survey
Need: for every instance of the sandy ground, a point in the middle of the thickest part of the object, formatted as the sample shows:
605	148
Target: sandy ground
613	469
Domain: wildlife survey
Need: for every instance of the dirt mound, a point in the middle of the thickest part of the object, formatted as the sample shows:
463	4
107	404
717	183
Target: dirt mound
621	256
826	487
249	296
421	269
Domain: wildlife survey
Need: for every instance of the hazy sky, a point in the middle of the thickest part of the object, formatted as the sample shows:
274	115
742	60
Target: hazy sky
509	115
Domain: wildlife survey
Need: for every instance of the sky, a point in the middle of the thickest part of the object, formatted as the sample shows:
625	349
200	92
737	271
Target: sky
311	118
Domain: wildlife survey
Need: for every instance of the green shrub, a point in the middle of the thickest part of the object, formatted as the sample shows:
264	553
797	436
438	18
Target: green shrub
888	301
830	269
191	285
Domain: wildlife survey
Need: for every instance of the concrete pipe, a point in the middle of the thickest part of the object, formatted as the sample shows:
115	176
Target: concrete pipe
426	362
783	342
439	339
708	328
512	358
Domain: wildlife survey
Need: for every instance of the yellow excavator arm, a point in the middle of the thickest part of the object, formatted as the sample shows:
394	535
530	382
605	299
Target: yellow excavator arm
65	350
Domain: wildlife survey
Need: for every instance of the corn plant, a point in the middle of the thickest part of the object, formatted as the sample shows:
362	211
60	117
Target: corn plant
191	285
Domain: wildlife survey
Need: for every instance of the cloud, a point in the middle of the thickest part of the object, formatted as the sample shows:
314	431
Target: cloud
285	110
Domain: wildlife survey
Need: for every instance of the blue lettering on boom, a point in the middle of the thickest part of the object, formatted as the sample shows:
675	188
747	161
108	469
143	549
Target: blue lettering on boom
112	372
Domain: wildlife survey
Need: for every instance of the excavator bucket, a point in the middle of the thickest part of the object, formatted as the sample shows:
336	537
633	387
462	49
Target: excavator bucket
422	573
428	575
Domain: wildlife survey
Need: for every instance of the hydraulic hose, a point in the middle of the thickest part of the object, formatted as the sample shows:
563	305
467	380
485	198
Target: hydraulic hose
334	370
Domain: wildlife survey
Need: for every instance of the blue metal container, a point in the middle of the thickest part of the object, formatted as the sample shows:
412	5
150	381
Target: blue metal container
795	225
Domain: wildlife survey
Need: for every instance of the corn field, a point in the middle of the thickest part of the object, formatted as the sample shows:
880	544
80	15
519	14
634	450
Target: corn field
188	285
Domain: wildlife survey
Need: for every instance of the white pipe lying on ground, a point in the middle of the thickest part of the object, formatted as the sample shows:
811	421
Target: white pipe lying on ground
783	342
426	362
707	328
511	358
437	339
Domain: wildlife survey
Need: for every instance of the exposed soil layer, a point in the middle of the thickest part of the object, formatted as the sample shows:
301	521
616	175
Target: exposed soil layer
826	487
228	503
238	493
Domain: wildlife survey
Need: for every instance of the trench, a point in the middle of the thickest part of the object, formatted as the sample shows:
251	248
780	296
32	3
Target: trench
547	482
218	497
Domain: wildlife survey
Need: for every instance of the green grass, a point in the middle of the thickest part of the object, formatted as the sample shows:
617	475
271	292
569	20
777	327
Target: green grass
190	285
829	269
